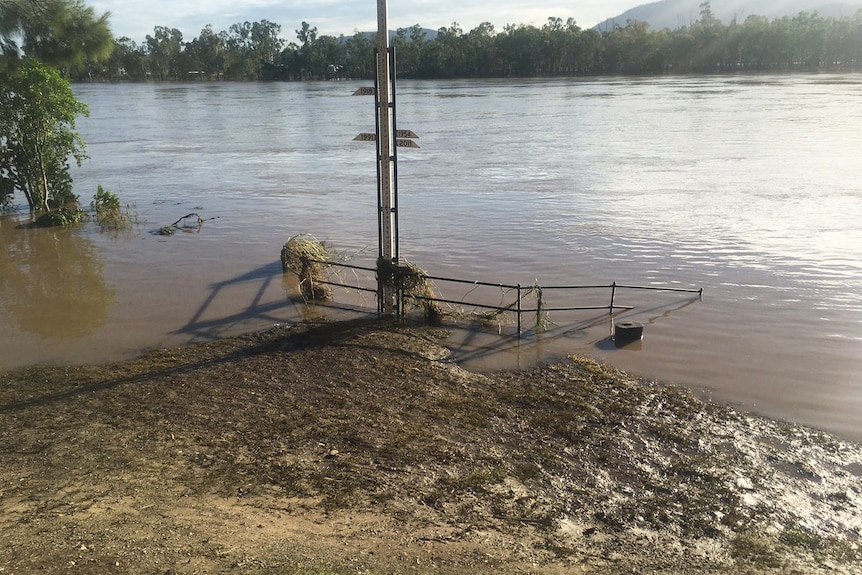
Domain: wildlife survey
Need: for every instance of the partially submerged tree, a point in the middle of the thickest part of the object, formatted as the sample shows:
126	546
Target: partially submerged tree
39	41
37	138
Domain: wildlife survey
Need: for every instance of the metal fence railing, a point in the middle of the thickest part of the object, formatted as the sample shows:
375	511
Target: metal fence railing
513	297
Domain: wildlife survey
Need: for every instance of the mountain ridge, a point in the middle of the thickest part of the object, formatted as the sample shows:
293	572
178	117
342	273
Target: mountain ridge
674	14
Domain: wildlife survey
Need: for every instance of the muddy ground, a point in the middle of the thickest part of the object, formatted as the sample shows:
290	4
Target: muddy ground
356	447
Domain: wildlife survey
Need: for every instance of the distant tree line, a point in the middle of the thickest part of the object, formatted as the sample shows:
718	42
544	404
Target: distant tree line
254	51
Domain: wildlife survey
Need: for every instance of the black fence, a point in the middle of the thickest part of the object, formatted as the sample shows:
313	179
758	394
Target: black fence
514	298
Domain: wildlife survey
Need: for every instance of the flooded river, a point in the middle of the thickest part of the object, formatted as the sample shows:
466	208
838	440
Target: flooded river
749	187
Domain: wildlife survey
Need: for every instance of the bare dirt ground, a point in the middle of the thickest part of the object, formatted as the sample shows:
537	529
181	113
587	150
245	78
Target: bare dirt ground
355	447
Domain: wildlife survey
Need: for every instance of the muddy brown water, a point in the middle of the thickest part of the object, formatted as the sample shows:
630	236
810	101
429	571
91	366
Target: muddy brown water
749	187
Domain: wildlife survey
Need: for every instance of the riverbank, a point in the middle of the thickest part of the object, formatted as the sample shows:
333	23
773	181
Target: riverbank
357	447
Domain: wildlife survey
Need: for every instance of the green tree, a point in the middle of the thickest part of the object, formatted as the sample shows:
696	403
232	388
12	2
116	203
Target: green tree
410	43
206	53
555	48
306	34
359	57
450	53
588	50
238	64
809	31
480	51
265	43
329	58
843	44
521	50
164	48
753	38
37	138
708	34
251	46
304	60
66	34
127	61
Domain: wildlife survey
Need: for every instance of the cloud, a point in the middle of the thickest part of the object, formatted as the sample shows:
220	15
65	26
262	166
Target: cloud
137	18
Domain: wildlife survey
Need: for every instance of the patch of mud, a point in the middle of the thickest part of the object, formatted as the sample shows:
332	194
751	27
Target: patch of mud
356	447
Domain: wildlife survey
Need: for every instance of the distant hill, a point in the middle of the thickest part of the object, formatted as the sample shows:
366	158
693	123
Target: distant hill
673	14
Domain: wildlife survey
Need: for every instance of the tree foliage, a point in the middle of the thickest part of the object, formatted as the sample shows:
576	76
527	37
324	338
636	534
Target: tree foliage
163	51
66	34
109	212
37	138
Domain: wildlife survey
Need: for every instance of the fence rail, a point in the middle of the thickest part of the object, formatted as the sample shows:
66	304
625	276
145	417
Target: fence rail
519	293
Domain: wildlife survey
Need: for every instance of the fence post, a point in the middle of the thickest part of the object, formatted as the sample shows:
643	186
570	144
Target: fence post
519	311
399	297
538	307
613	296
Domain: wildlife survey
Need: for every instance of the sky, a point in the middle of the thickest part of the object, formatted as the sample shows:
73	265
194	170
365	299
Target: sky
137	18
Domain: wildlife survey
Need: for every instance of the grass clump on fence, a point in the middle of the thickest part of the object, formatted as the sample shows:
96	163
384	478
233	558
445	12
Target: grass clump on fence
414	287
305	256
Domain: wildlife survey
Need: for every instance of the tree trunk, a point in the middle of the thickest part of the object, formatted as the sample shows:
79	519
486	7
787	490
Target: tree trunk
43	177
27	183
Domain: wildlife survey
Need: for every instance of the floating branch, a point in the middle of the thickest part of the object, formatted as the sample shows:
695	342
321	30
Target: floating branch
187	216
169	230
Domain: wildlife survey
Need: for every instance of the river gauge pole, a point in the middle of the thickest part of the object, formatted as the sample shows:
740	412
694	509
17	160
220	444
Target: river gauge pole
387	140
388	252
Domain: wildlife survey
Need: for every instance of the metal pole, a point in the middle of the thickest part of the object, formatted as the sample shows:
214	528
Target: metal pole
387	253
380	281
396	256
613	296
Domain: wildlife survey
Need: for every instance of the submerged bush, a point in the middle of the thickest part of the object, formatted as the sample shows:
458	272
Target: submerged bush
109	213
65	216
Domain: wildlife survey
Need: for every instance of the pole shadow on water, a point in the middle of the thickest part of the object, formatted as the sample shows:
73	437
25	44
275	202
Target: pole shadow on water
471	347
659	311
258	310
535	347
255	309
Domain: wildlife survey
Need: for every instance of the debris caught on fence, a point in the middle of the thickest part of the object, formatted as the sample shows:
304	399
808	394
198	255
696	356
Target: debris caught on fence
414	286
305	256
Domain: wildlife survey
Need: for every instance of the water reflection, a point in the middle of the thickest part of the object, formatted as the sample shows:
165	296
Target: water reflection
51	281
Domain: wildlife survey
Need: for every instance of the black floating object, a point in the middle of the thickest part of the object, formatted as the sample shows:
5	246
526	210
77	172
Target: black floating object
627	332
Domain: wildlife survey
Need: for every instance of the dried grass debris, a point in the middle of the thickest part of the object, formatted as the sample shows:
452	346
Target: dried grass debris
306	256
